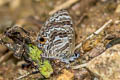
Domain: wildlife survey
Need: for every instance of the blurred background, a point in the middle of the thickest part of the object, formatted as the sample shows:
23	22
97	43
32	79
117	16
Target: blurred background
87	15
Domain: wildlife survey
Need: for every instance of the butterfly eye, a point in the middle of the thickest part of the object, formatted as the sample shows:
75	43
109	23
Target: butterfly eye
42	40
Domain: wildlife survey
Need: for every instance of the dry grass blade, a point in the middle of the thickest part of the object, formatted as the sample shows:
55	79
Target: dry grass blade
21	77
79	66
95	33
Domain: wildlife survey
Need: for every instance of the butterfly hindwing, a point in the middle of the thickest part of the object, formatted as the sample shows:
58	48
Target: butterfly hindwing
58	33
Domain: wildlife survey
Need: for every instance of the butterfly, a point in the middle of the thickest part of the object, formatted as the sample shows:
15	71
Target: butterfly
56	40
57	37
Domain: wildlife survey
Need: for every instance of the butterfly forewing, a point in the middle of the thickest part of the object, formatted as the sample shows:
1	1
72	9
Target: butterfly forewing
58	34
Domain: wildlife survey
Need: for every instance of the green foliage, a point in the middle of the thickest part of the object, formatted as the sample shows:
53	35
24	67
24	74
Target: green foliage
45	67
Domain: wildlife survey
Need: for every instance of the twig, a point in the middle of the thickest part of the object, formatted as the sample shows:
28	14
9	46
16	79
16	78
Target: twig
64	6
95	33
79	66
27	74
23	76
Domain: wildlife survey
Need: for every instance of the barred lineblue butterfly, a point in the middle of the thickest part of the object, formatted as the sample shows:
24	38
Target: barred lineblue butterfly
57	37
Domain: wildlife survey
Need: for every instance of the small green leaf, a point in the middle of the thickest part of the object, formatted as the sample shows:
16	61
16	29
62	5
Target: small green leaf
45	67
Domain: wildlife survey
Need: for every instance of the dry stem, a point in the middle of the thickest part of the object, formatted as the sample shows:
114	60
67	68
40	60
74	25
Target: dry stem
95	33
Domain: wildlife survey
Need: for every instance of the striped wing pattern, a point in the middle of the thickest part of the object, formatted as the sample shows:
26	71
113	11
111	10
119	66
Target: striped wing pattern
59	36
